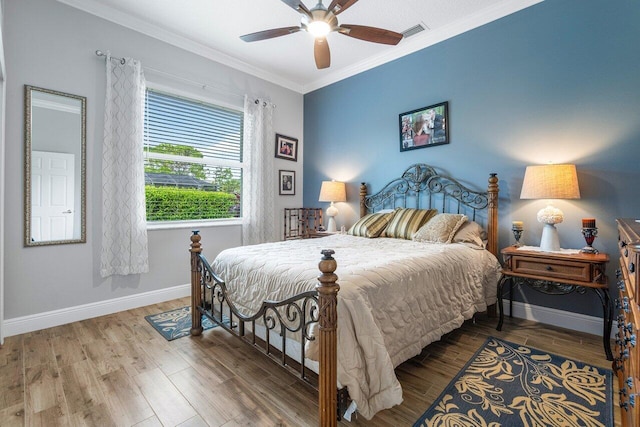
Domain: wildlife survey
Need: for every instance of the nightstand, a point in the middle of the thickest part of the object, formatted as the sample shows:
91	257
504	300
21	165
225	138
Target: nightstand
557	274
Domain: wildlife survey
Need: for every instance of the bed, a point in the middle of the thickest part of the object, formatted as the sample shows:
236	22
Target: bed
375	305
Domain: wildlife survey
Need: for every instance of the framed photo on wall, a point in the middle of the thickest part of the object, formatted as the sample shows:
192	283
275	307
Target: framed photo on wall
287	183
286	147
424	127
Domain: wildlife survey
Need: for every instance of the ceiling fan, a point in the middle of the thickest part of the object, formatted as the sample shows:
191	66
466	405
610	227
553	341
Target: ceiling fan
320	21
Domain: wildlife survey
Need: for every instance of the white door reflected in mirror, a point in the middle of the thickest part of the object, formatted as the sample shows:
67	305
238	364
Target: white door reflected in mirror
52	196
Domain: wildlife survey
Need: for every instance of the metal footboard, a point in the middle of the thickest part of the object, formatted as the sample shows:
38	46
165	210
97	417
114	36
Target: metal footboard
305	317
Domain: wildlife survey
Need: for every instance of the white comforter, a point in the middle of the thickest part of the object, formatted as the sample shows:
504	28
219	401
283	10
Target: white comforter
396	296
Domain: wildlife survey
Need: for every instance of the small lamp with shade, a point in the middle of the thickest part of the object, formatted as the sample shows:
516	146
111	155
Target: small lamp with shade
332	191
550	182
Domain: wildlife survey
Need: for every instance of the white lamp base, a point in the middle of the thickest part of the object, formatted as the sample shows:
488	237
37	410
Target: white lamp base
331	212
550	241
331	225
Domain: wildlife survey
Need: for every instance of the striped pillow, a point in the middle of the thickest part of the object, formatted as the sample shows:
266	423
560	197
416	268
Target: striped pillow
371	225
405	222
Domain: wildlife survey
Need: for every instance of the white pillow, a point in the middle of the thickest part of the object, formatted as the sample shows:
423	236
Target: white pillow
471	233
440	229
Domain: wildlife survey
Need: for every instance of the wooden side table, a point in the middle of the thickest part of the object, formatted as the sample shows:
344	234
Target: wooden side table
557	274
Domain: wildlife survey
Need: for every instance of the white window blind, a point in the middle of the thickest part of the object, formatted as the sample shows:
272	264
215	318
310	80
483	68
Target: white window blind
193	159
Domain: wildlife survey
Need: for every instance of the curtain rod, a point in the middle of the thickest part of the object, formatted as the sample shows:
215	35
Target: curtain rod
189	81
101	53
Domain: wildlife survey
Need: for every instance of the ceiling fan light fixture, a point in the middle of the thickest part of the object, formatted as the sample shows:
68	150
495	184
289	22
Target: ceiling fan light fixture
319	22
318	29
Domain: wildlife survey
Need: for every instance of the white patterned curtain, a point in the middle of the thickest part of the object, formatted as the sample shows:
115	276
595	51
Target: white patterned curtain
124	222
259	183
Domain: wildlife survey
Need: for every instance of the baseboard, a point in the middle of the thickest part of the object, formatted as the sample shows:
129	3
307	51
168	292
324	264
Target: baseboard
35	322
563	319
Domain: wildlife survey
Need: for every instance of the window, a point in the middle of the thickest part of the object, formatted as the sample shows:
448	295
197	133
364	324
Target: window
193	159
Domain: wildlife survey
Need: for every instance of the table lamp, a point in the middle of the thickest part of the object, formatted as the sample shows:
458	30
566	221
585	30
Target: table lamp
550	182
332	191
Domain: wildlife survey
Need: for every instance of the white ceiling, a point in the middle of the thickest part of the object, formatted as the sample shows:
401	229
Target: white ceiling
212	28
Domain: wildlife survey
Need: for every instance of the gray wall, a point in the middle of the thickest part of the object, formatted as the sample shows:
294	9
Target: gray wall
558	81
52	46
2	165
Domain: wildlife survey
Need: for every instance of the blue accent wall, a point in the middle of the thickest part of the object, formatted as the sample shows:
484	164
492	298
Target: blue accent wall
558	81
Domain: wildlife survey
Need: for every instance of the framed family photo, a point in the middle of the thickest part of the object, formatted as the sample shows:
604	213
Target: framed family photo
424	127
287	183
286	147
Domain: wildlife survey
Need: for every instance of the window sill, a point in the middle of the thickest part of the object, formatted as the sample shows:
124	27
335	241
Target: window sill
151	226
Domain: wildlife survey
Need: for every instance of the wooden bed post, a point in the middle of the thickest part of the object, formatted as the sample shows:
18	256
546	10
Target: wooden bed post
363	195
196	291
492	226
492	216
328	340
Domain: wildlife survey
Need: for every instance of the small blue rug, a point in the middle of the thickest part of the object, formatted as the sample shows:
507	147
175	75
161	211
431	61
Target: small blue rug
176	323
506	384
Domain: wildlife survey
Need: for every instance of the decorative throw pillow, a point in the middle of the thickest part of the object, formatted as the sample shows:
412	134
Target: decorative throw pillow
440	229
470	232
371	225
407	221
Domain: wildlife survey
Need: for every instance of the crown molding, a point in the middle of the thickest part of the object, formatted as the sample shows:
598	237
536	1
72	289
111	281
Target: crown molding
95	8
424	40
406	47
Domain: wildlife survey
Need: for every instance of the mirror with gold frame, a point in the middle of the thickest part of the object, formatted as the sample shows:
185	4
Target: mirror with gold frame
54	167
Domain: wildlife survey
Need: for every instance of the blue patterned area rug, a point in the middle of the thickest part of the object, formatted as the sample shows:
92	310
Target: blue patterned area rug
176	323
506	384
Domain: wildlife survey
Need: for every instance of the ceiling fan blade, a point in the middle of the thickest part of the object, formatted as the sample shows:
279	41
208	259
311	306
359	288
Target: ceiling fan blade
321	53
339	6
371	34
298	6
269	34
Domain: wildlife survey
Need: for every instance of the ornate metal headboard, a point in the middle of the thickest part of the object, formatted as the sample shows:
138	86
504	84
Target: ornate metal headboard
420	186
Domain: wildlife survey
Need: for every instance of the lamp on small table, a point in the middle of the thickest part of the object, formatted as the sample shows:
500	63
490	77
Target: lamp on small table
550	182
332	191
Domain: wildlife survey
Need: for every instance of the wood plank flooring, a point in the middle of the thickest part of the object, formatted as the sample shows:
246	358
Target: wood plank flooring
117	371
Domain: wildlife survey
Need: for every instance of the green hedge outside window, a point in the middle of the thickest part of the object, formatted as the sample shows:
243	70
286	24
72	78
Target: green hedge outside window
177	204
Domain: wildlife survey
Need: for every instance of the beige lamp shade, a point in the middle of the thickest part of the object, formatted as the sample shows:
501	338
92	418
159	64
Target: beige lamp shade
332	191
550	182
